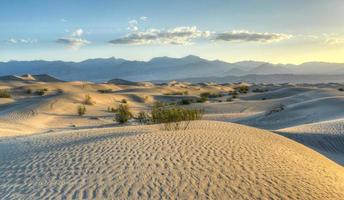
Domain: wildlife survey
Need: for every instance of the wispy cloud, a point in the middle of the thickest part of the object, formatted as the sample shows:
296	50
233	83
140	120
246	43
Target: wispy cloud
247	36
144	18
133	25
74	40
77	33
176	36
21	41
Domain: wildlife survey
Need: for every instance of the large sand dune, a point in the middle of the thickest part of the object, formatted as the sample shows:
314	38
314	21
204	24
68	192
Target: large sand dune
211	160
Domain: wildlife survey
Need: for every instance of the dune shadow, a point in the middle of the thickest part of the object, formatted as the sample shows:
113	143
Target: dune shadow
330	145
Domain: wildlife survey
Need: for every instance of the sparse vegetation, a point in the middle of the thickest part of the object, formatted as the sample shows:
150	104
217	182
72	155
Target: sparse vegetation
276	109
243	89
178	93
259	90
40	92
81	110
111	109
174	117
124	101
185	102
5	93
229	99
88	100
104	91
29	91
341	89
202	100
123	114
144	117
210	95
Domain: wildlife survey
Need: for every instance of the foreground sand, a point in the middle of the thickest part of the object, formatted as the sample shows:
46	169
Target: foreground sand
211	160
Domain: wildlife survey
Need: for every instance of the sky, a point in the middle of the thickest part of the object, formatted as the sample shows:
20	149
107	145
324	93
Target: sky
277	31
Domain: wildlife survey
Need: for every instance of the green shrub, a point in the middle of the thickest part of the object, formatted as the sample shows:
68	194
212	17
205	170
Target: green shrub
123	114
202	100
242	89
204	94
178	93
40	92
105	91
88	100
143	117
81	110
175	118
5	93
185	102
111	109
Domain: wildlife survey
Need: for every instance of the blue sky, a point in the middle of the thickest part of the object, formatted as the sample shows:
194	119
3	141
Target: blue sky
270	30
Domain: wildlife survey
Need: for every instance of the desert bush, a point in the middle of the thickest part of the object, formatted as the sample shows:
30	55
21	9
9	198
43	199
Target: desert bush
124	101
276	109
202	100
29	91
229	99
242	89
204	94
175	118
143	117
177	93
341	89
259	90
81	110
5	93
111	109
45	89
88	100
185	102
40	92
123	114
105	91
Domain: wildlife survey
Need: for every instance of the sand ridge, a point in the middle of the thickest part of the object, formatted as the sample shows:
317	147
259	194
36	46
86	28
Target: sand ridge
211	160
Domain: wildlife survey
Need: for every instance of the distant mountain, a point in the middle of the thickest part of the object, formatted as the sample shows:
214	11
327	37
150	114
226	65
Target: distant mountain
160	68
30	78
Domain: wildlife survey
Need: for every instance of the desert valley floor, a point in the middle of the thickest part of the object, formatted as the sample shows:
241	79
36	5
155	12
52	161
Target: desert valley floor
277	141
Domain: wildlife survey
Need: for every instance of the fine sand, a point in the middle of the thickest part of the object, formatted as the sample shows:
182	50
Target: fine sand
211	160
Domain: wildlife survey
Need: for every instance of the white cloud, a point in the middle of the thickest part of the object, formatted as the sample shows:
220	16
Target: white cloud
133	25
144	18
176	36
77	33
21	41
74	41
247	36
63	20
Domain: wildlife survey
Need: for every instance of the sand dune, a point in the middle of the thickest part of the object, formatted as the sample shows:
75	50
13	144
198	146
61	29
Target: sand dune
212	160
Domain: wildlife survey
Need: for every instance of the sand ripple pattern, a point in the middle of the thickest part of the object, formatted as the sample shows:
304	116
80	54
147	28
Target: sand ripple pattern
212	160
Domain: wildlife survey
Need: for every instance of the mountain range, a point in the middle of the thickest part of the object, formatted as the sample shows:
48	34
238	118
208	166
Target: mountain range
161	68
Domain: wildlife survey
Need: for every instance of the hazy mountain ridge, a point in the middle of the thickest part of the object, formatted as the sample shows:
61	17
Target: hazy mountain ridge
160	68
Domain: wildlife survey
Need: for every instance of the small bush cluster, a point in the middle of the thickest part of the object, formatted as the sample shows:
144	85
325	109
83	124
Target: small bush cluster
210	95
5	93
175	118
185	102
242	89
123	114
105	91
88	100
144	117
111	109
178	93
29	91
81	110
259	90
341	89
124	101
202	100
276	109
41	92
